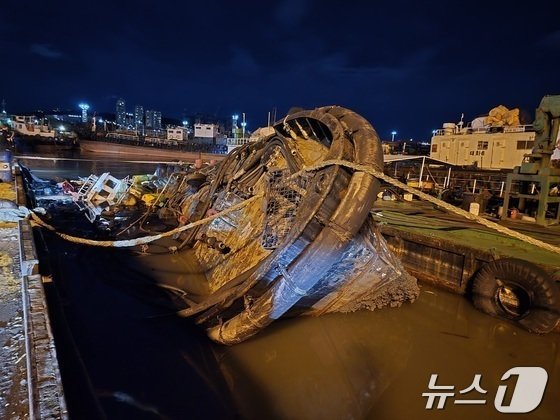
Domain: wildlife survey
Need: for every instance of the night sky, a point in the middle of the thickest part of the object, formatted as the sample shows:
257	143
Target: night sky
405	66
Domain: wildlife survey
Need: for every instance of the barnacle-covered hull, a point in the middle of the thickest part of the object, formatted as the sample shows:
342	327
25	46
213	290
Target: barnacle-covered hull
303	244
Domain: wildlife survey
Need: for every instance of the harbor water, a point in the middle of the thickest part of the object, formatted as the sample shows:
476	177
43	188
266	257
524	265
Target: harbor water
124	353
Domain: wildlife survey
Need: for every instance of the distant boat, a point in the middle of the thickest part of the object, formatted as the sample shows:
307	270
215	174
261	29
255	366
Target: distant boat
148	150
32	133
129	143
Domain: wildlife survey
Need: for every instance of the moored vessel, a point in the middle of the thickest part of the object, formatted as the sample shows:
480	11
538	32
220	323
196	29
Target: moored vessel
32	133
163	151
497	141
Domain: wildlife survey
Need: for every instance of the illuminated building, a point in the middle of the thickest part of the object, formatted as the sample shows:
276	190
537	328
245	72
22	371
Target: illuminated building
153	120
121	113
139	117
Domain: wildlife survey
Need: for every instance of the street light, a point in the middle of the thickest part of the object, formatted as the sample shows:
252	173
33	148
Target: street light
393	134
84	108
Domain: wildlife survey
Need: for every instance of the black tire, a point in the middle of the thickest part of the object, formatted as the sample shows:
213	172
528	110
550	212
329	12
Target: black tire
536	296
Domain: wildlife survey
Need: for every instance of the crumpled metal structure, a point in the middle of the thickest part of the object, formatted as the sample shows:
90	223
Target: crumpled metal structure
306	246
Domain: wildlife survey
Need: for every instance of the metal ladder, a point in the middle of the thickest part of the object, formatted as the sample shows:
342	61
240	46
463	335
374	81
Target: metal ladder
126	184
86	186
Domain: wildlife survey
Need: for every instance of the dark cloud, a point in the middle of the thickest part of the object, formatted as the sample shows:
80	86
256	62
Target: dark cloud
550	41
46	51
291	12
243	63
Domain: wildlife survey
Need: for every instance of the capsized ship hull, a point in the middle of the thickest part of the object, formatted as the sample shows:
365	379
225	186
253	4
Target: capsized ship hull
304	243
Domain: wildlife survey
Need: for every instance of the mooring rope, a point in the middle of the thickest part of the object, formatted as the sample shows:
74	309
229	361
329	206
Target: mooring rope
485	222
144	239
344	163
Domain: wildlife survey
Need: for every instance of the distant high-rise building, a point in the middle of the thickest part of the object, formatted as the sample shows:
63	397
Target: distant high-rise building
139	119
121	113
149	119
130	120
153	120
138	116
157	120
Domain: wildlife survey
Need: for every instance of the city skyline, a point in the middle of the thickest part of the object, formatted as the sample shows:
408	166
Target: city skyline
404	67
85	106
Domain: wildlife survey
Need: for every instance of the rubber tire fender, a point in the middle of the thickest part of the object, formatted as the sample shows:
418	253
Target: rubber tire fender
543	307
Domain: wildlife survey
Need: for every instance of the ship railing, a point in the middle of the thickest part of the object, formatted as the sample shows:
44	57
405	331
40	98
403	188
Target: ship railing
234	141
478	130
518	128
472	185
122	136
486	130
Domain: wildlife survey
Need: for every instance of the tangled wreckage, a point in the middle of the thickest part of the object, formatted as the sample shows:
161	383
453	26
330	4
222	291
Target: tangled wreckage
276	229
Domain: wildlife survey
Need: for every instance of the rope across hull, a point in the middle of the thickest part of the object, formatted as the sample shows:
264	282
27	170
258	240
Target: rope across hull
311	252
281	228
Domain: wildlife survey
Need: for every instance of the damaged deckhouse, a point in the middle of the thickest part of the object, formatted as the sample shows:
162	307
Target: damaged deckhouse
276	229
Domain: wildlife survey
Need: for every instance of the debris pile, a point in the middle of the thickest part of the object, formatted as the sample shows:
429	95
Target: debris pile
139	204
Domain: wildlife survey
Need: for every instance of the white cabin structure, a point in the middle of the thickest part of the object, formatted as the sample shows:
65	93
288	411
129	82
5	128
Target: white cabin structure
485	147
177	133
207	131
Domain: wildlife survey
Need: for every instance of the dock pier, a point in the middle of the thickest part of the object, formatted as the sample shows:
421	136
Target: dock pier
447	251
31	386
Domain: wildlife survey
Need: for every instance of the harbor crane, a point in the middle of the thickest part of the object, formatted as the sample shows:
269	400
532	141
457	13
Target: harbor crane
537	180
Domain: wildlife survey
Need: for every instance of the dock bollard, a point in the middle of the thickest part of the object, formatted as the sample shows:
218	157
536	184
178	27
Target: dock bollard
6	166
474	208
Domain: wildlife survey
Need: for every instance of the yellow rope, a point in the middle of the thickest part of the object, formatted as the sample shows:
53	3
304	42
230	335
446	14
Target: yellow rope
357	167
144	239
380	175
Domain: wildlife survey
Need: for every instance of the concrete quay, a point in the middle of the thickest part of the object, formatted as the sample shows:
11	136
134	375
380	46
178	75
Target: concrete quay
30	385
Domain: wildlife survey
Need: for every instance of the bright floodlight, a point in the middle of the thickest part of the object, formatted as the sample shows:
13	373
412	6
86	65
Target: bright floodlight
61	128
393	134
185	123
